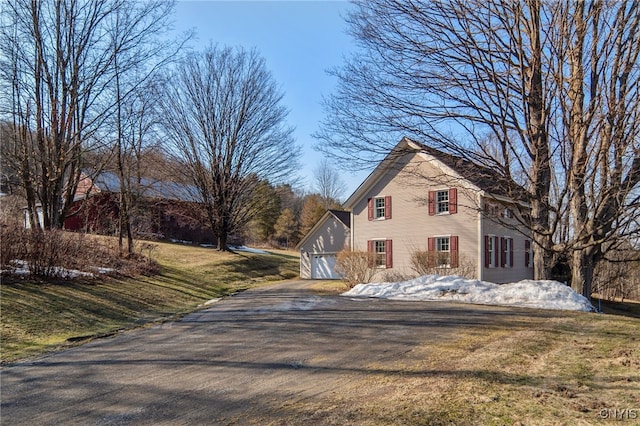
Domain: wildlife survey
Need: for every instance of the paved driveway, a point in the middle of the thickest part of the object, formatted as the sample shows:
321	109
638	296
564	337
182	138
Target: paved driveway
253	358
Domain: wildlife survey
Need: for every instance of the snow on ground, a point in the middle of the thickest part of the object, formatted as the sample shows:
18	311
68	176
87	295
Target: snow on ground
247	249
22	268
526	293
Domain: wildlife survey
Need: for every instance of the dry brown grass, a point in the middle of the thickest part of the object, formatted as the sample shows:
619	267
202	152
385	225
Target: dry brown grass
580	369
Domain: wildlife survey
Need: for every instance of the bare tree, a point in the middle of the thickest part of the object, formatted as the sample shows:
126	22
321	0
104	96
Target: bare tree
223	116
58	65
328	183
552	85
139	55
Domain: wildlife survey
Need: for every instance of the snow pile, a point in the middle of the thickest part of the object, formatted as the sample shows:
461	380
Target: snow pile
526	293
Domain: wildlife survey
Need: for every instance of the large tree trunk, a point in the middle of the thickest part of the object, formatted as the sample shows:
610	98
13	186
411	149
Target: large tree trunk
582	267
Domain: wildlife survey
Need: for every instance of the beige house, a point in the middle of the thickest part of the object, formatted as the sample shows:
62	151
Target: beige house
452	211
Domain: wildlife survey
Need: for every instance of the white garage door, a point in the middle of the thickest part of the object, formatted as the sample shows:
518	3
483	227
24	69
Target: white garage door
323	267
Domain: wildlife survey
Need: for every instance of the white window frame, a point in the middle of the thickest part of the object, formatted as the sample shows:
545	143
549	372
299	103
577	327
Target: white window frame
491	251
439	241
377	209
442	203
380	256
508	252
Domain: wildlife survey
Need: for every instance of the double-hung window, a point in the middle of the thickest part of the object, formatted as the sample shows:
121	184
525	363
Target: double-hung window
379	208
381	253
443	251
443	202
490	252
443	248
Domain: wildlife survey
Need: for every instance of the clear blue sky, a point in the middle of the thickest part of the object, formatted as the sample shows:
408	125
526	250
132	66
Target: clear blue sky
300	40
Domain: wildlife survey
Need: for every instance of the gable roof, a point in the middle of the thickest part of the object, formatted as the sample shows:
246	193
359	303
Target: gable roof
341	216
481	177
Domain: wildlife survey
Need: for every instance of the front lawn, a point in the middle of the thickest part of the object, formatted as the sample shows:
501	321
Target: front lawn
41	316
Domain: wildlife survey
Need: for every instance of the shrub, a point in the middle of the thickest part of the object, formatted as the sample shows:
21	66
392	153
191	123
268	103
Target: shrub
51	254
355	267
424	263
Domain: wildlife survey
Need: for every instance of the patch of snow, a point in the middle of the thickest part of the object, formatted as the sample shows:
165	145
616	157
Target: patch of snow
212	301
248	249
101	270
22	268
208	245
526	293
180	241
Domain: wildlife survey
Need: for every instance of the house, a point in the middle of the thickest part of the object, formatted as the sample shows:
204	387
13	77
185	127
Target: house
454	213
318	249
164	210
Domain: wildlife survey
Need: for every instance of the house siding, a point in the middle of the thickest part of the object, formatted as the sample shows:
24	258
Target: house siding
330	237
408	184
500	274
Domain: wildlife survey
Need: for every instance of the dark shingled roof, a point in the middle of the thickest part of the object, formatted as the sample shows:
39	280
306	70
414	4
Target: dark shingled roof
343	216
483	177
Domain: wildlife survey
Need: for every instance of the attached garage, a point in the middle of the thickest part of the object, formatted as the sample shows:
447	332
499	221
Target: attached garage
319	248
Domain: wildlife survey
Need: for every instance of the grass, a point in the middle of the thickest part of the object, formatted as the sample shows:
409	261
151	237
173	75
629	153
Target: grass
42	316
570	369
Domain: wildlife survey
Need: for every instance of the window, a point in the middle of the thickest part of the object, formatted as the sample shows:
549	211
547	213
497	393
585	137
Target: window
379	208
506	259
382	253
445	251
528	259
443	202
443	248
490	258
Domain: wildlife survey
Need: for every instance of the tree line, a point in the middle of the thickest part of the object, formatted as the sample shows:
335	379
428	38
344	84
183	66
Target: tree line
100	84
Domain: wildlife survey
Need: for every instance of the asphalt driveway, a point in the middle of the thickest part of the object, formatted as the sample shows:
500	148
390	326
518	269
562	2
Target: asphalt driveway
248	359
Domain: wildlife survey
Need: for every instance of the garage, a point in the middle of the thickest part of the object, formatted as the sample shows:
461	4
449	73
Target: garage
319	248
323	267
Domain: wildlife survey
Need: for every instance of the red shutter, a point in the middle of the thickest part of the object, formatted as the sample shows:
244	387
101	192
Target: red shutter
453	201
487	261
372	254
527	253
389	253
387	207
511	253
496	251
503	252
432	203
370	208
453	251
431	252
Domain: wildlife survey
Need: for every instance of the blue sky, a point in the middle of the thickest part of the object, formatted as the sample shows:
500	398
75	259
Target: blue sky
300	41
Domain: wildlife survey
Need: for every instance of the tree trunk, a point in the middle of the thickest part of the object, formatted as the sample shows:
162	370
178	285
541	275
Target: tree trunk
222	241
582	272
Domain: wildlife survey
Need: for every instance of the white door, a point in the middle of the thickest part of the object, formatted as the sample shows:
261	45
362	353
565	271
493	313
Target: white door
323	267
